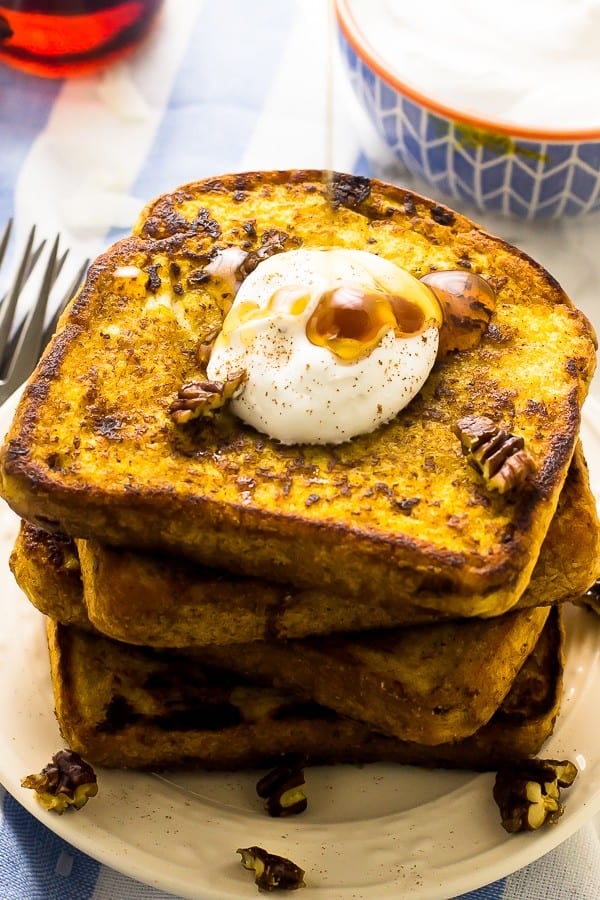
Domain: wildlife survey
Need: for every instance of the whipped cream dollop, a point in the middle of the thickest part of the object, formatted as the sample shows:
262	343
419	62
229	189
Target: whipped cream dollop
534	64
334	343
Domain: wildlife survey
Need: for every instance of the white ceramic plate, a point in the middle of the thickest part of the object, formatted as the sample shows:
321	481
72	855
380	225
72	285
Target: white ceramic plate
374	832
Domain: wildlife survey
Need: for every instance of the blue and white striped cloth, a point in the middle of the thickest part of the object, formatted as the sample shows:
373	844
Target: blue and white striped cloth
221	85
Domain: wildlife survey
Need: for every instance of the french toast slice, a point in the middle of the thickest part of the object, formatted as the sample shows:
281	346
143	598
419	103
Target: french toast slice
123	706
162	601
93	451
429	684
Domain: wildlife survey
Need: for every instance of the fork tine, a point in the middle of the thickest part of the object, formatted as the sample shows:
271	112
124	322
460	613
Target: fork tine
4	239
31	263
33	258
68	295
10	302
60	262
29	344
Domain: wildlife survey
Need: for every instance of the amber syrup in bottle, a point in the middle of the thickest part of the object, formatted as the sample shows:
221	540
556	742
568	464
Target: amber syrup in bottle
59	38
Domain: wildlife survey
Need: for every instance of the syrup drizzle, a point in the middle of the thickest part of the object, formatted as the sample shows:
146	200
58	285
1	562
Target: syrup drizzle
351	321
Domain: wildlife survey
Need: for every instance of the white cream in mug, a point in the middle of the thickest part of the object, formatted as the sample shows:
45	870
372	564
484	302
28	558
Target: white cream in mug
532	63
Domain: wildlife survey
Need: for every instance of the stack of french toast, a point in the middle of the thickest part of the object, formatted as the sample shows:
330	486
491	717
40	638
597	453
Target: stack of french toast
220	599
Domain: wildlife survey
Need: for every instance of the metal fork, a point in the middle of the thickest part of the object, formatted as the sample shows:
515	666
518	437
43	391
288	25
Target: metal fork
20	348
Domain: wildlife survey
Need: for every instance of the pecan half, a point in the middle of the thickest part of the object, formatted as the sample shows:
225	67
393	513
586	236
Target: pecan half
528	792
66	783
201	398
272	872
206	345
468	303
282	790
495	453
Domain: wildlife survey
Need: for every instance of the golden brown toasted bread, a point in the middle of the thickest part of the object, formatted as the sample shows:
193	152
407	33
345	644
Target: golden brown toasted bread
163	601
94	452
126	706
430	683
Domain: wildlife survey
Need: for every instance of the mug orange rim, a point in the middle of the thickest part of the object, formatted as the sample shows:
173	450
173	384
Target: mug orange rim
364	49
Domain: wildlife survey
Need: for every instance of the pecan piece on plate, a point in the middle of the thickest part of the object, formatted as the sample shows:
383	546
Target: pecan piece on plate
66	783
282	790
528	792
272	872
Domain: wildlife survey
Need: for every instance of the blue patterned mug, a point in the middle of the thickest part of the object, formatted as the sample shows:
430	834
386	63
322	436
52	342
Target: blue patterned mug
523	172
